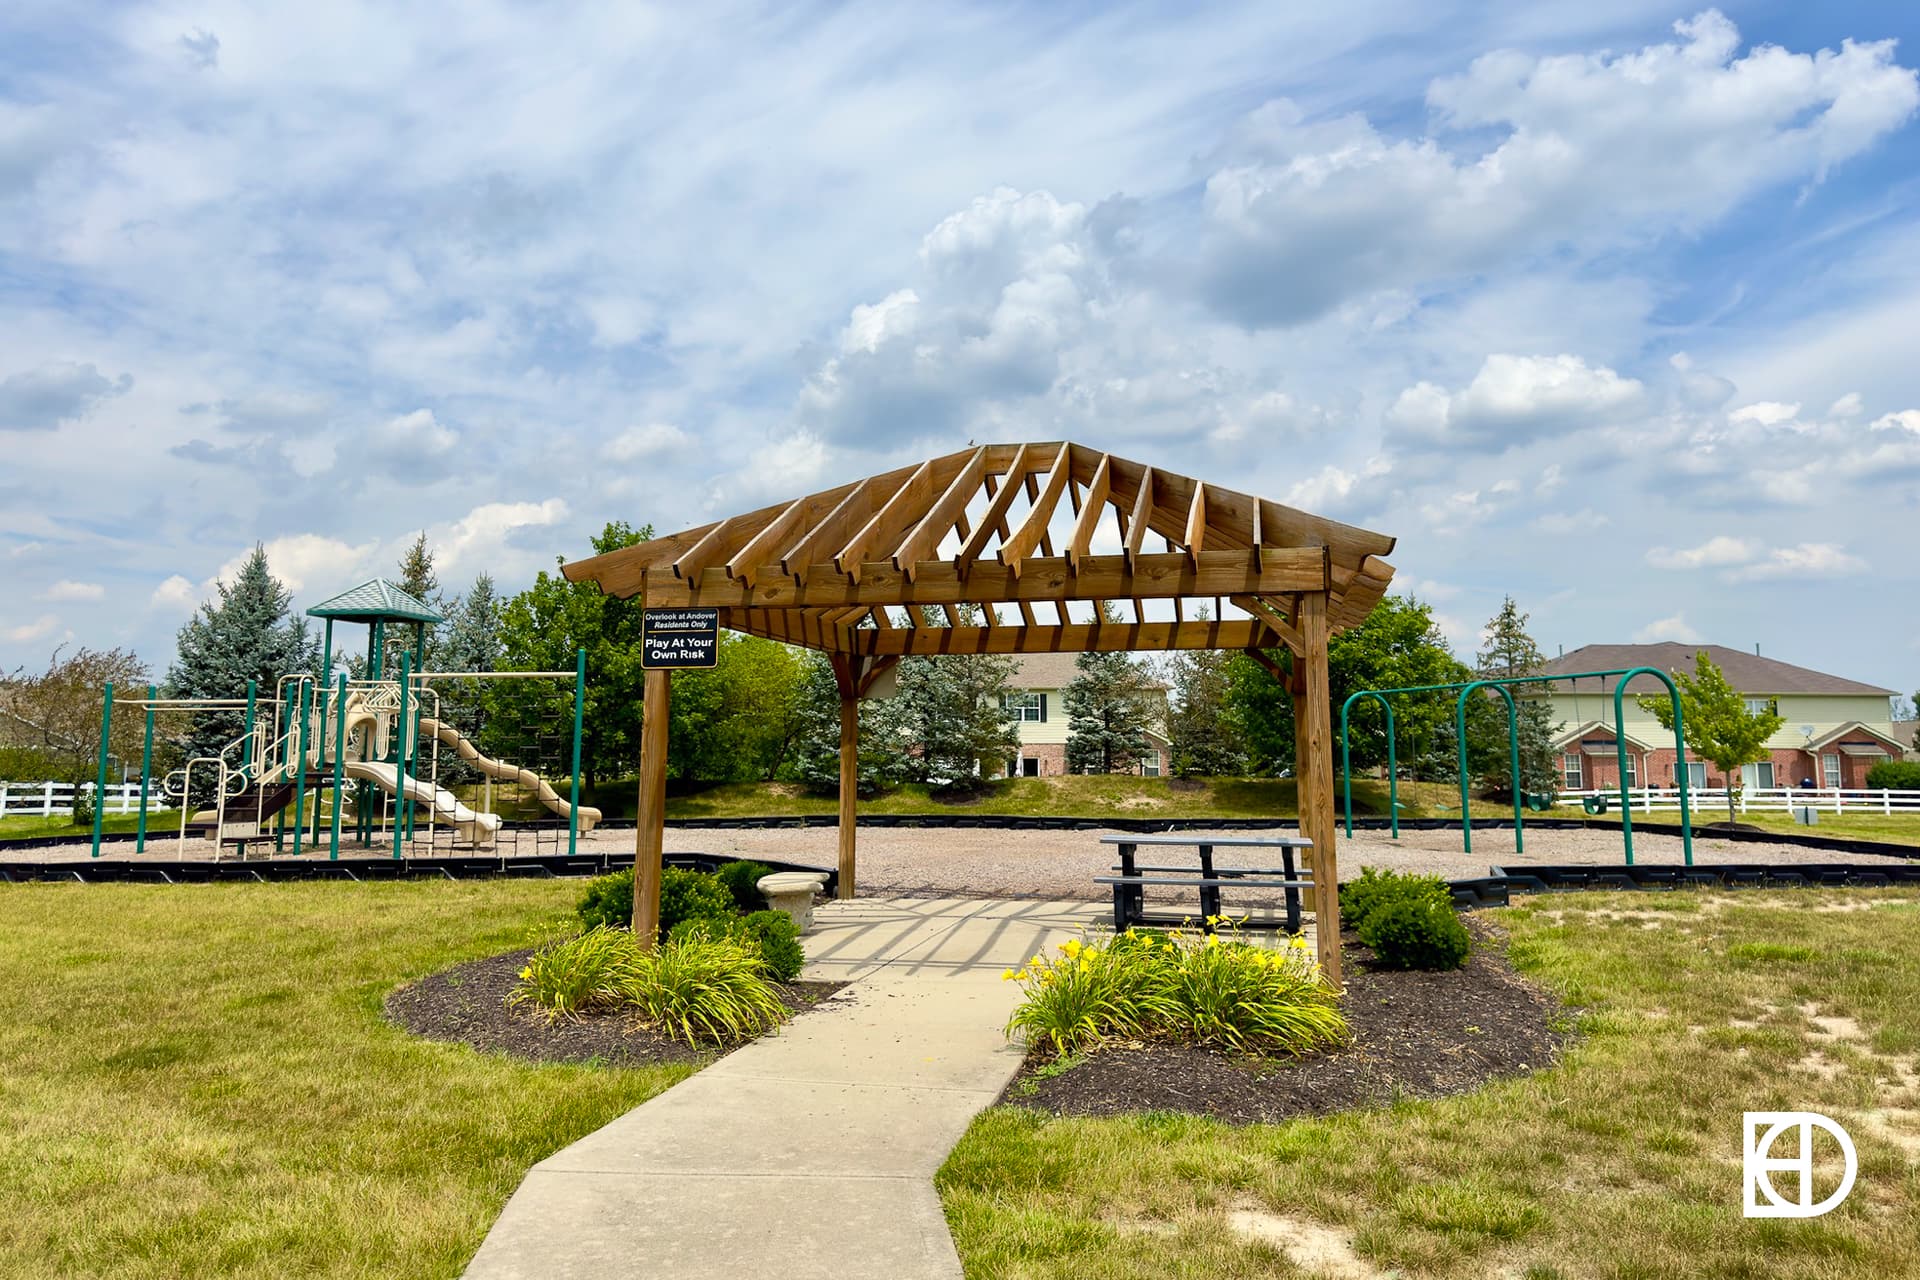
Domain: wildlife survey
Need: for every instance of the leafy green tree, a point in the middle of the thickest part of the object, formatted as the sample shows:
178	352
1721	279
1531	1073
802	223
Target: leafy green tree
1397	646
882	751
1718	726
248	633
953	708
540	630
738	720
52	719
1111	702
1202	730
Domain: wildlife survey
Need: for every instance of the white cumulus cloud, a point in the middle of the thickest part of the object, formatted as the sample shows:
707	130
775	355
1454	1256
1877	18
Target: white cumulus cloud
1713	553
1813	560
1673	629
68	590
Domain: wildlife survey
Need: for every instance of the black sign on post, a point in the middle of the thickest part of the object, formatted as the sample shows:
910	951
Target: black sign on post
671	639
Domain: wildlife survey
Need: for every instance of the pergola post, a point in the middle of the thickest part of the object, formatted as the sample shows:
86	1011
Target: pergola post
846	674
1316	771
649	835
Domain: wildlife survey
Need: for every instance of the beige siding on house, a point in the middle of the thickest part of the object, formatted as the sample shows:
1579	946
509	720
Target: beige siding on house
1824	712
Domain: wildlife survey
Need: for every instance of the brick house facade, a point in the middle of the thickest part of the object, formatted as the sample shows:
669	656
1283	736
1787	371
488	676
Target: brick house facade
1836	729
1042	720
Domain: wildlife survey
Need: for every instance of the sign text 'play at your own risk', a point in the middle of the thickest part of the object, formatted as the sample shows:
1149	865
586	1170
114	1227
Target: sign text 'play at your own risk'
675	638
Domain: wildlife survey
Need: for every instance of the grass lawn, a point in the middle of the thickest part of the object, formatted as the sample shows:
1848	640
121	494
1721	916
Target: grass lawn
16	826
198	1081
1622	1161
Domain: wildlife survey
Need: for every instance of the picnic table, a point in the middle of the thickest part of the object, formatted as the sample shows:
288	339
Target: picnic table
1209	877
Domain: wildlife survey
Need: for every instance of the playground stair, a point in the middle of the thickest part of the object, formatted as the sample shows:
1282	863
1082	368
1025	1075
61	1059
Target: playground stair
249	811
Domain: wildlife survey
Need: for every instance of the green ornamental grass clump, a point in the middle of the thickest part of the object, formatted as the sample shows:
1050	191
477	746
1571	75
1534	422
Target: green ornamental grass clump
695	987
1175	987
772	934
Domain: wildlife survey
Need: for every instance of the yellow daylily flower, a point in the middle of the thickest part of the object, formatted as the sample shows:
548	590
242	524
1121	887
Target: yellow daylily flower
526	972
1008	976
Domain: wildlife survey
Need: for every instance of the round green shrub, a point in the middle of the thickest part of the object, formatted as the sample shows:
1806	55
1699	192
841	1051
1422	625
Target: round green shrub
1895	775
689	895
1416	933
608	901
743	882
1373	889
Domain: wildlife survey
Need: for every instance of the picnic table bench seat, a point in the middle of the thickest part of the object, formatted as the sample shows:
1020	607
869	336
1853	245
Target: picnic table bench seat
1129	887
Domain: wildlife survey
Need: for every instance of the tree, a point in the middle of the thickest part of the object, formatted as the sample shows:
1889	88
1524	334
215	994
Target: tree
540	630
1202	731
470	641
738	720
1111	703
248	633
418	579
1509	652
1718	726
953	708
881	754
1397	646
53	717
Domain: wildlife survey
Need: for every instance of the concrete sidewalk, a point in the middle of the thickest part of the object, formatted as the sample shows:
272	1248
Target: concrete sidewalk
810	1153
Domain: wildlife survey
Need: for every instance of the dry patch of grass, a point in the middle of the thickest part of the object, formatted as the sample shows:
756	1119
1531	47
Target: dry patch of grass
199	1081
1624	1160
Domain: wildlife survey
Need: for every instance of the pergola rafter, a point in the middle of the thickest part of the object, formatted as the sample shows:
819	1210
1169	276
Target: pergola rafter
825	571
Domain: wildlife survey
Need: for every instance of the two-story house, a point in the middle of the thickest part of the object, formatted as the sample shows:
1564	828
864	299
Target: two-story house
1042	715
1835	729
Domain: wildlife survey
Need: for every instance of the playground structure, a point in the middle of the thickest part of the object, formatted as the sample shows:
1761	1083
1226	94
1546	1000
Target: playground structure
1467	688
353	757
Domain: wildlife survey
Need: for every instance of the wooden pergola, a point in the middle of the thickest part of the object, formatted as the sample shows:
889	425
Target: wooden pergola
991	550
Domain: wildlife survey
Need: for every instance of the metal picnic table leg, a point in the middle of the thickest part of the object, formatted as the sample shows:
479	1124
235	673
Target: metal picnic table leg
1129	900
1209	893
1293	895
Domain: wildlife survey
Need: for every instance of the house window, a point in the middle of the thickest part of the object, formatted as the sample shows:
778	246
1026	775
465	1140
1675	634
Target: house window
1830	770
1633	773
1150	765
1026	706
1696	775
1763	706
1570	769
1030	767
1757	777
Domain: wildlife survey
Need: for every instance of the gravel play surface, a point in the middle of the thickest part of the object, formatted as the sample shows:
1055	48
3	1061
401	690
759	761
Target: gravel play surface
1062	864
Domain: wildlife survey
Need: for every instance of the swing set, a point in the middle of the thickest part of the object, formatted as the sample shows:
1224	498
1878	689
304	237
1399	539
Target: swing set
1501	686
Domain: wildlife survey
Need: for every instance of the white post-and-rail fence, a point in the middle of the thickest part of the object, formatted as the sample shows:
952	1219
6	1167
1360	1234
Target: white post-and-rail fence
46	799
1781	799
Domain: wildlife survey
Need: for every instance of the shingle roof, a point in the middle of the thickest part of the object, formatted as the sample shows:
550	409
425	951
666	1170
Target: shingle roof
1747	672
375	601
1049	671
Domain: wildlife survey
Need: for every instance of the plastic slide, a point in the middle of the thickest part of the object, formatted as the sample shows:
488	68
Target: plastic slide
553	800
475	828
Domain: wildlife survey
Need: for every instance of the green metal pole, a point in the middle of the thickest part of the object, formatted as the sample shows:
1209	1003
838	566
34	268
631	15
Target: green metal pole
146	773
303	692
339	757
1679	755
286	763
1513	751
400	757
1393	775
1393	763
1460	747
100	775
377	651
579	722
326	660
253	688
1346	763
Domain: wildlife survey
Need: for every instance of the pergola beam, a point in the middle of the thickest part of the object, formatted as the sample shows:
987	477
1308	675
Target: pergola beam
1103	577
1033	530
1101	637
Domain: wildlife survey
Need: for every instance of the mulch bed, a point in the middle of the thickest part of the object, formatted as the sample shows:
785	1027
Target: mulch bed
1414	1034
467	1004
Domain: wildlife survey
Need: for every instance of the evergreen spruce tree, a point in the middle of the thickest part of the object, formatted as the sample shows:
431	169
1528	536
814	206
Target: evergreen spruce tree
246	634
882	751
1202	731
469	641
1509	652
953	708
1110	705
419	580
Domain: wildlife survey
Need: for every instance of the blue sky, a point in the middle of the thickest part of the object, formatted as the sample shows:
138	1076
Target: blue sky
1608	307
